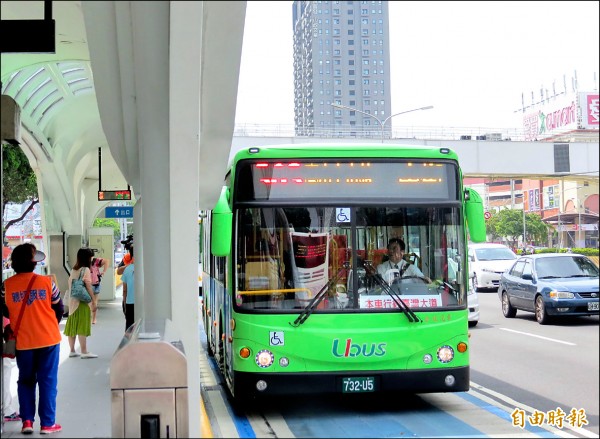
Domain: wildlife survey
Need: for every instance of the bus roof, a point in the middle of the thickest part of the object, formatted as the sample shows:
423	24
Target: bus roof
344	150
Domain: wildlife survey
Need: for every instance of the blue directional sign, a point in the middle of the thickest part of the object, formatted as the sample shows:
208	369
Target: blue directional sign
118	212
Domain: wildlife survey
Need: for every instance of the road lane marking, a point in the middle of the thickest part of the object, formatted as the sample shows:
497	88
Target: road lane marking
539	336
506	410
479	392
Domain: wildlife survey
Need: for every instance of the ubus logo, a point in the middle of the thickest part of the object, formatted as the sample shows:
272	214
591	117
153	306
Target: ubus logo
349	349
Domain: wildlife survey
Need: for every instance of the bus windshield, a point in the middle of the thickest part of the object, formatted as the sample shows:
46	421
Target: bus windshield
287	255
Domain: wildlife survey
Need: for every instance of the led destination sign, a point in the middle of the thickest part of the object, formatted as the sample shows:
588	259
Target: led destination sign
277	180
114	195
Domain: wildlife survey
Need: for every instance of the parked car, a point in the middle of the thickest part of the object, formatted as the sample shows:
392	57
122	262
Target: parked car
549	285
488	261
473	305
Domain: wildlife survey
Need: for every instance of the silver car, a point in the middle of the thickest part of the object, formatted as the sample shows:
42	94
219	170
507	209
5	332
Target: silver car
488	261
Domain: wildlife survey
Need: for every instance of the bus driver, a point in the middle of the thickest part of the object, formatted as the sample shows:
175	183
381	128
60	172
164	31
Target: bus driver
396	266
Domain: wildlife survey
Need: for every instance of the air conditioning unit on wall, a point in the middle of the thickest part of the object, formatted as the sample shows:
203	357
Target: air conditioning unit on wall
11	120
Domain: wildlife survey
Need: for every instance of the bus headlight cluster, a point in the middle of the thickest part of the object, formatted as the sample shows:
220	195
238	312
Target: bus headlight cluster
445	354
264	358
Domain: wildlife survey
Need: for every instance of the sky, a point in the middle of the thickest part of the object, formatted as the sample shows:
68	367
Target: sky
472	61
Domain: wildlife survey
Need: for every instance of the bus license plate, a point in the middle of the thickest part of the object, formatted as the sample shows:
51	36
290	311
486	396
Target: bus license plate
592	306
358	384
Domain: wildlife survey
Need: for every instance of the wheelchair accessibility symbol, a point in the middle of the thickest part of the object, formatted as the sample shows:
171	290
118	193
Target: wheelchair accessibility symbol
342	214
276	338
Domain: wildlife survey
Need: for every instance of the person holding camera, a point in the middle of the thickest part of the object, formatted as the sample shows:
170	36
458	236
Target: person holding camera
128	258
128	292
97	265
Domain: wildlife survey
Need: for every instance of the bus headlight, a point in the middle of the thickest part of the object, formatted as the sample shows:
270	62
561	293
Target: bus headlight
445	354
264	358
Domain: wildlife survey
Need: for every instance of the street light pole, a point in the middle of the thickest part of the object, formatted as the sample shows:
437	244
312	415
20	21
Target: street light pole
381	122
559	228
524	231
579	207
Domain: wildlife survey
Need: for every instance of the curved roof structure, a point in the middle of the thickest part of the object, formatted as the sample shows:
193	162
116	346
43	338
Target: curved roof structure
61	129
80	107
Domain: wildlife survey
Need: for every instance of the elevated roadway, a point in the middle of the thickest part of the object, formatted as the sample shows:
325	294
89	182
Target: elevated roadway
481	158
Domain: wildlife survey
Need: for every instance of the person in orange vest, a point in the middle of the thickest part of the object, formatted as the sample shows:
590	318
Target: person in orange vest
38	339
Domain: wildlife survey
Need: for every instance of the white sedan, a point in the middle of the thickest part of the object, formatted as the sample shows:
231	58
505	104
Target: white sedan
473	305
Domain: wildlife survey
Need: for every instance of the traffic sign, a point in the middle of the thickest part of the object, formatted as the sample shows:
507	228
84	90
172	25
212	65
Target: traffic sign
118	212
487	215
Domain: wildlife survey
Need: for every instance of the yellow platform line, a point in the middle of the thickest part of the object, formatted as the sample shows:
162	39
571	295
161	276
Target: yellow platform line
205	428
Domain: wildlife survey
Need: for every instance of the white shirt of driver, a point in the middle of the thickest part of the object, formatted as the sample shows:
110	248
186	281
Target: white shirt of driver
388	270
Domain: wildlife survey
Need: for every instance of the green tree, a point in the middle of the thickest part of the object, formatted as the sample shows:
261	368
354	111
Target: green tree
507	224
537	229
109	222
19	184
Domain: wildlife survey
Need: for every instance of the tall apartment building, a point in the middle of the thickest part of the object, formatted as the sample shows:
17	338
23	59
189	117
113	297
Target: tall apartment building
342	57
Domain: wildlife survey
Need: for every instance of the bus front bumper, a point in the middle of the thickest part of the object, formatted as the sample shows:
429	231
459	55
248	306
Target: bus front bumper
247	384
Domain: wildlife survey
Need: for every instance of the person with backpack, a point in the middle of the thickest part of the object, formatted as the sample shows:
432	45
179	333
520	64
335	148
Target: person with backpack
98	264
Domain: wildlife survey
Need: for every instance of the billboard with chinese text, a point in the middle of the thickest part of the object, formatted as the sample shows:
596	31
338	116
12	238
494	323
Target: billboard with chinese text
560	114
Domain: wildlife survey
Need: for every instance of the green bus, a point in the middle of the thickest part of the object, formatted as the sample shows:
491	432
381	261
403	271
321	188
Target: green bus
294	298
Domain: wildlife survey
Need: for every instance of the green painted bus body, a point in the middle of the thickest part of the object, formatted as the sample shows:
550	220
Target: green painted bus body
402	355
351	343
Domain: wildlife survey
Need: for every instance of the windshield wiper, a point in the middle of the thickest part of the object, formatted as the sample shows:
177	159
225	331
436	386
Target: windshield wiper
318	297
580	275
410	315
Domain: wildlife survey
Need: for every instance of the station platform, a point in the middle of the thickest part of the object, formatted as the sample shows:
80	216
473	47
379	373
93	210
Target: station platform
83	405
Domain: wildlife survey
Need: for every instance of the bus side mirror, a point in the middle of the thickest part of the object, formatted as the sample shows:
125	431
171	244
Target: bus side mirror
474	215
222	220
